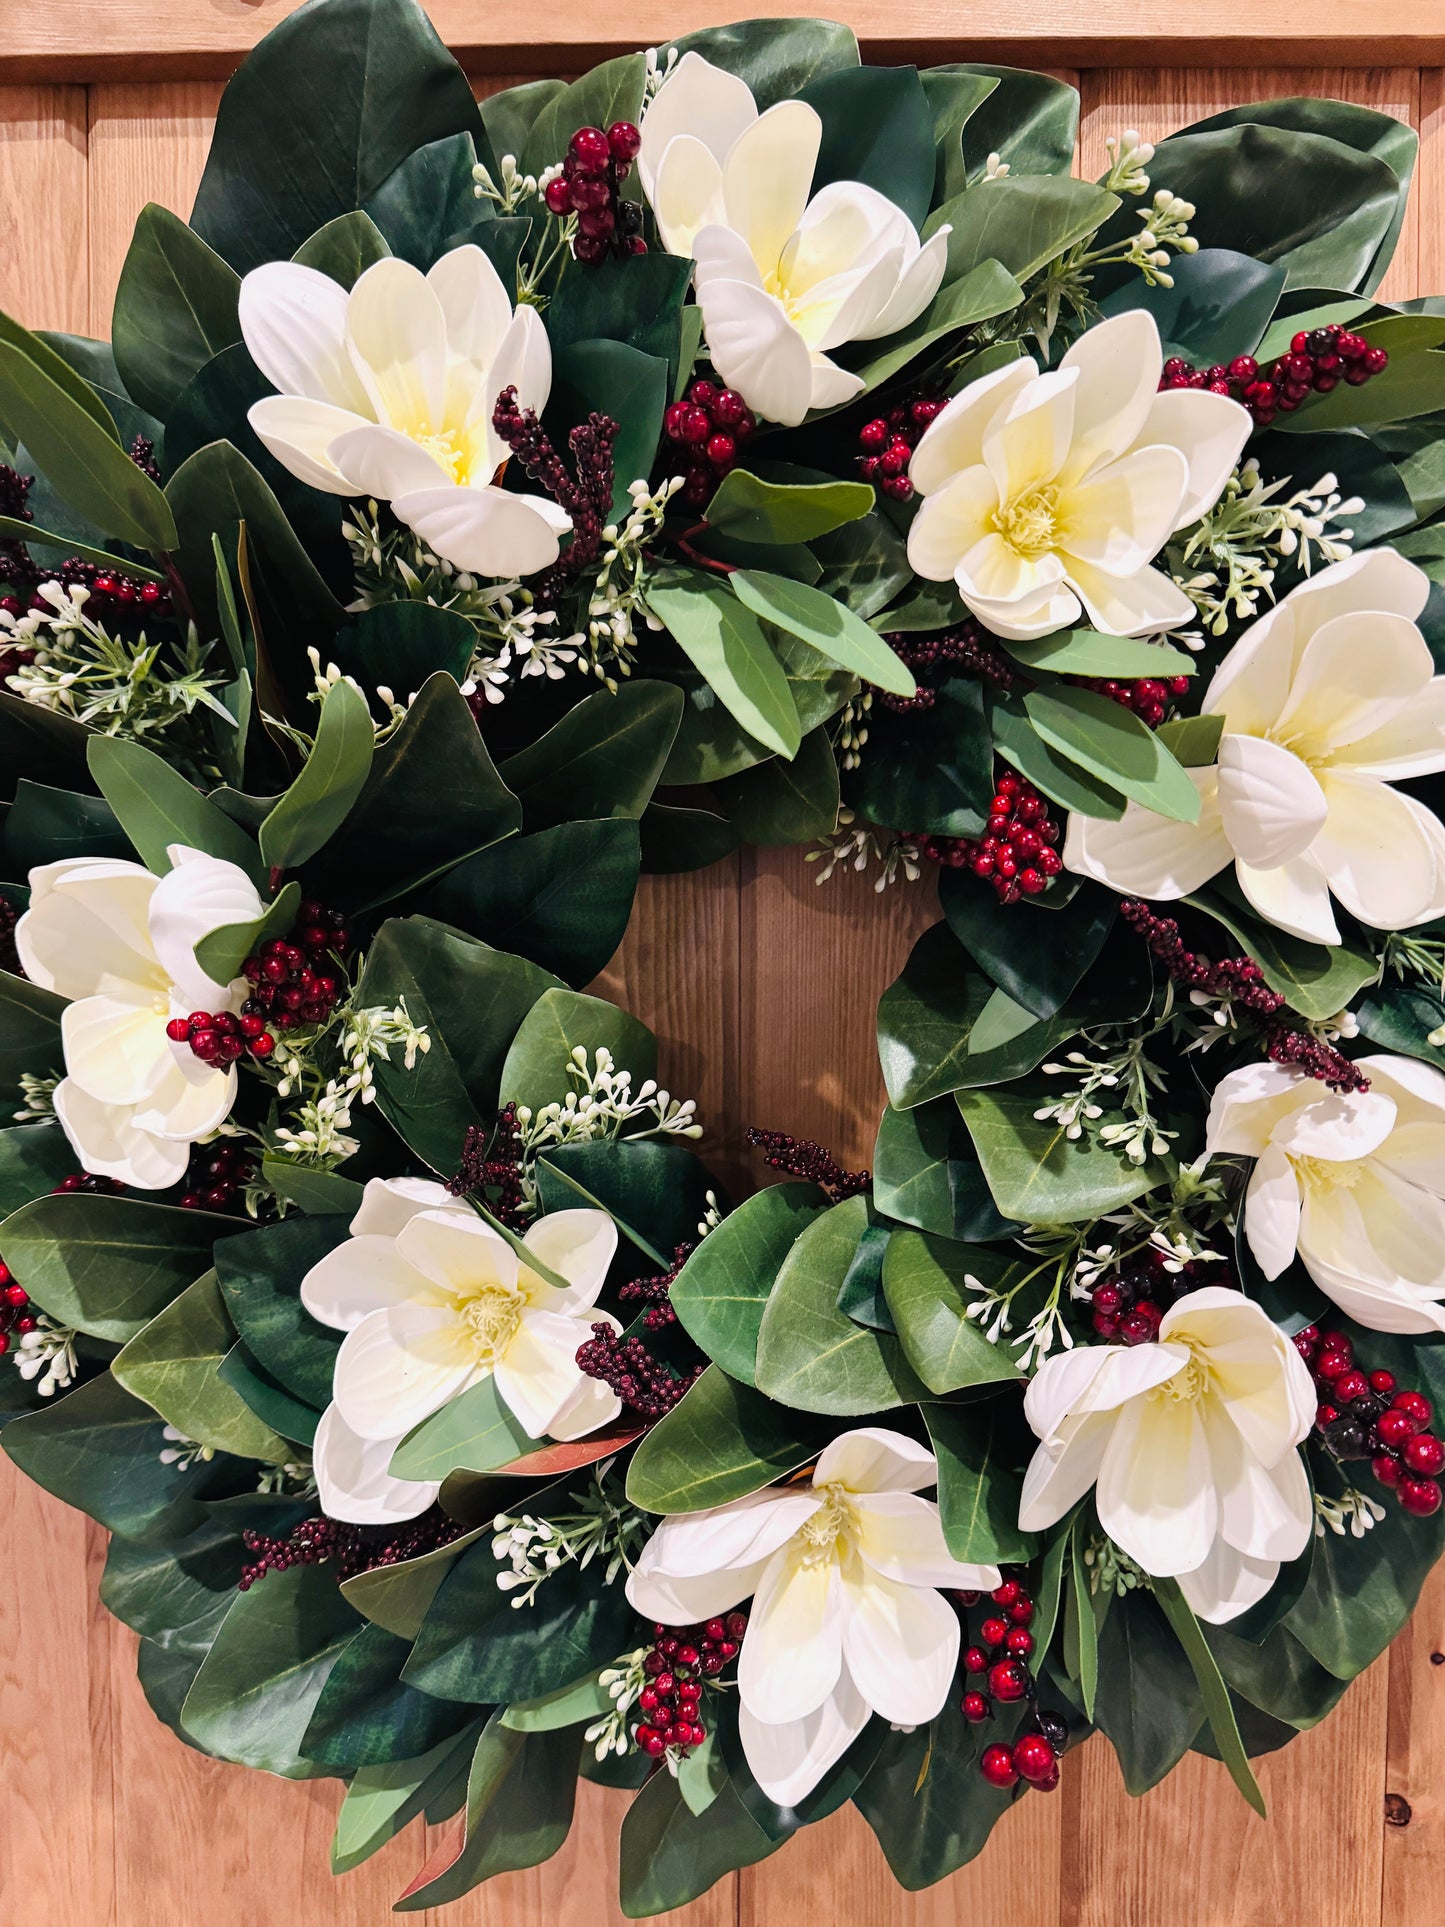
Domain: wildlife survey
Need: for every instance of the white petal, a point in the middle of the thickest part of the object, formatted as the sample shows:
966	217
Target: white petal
1249	1102
187	1104
299	432
1227	1584
389	1203
830	386
385	463
87	929
1418	1089
757	350
538	1375
793	1648
901	1537
591	1406
993	574
953	440
200	895
1144	604
872	1458
362	1276
1293	896
399	1366
1209	430
1062	1470
1092	1378
1253	1369
524	362
719	254
1338	1126
1265	1512
1118	364
727	1538
1148	855
117	1051
1118	518
1411	742
698	100
293	321
353	1481
683	1602
486	530
579	1246
457	1252
1272	1211
686	192
1026	443
475	305
1050	606
767	177
396	334
917	285
951	522
1271	803
1154	1494
1353	674
105	1139
901	1646
1379	860
788	1759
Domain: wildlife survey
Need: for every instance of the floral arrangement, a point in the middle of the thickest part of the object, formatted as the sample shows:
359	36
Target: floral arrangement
477	505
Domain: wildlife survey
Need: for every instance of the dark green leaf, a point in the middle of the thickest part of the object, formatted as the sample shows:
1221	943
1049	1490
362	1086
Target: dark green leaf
721	1441
175	308
367	1715
1315	980
929	770
614	377
925	1174
677	840
47	825
926	1800
604	758
267	1397
177	1593
649	1187
33	1159
635	305
156	807
1031	120
954	97
29	1032
609	92
984	292
1218	307
428	201
260	1274
331	780
397	1597
344	249
1400	1017
1148	1703
1022	222
1037	959
777	58
1212	1690
670	1855
222	953
878	129
401	644
780	802
980	1483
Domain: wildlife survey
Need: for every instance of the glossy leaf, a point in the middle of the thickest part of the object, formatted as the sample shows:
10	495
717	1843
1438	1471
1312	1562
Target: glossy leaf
396	1597
980	1482
780	802
29	1032
925	1174
603	759
331	780
1036	1172
222	953
366	1715
175	307
727	646
1148	1703
1038	958
777	58
755	510
930	1284
535	1072
609	92
344	248
177	1593
721	1441
620	379
1212	1690
878	129
156	806
382	1800
427	202
1218	307
1022	222
720	1293
671	1855
33	1160
260	1274
931	769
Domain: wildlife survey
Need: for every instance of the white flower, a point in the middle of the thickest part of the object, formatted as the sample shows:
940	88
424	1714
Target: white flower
432	1300
1354	1182
781	279
845	1621
1048	492
1326	700
1190	1444
121	944
388	391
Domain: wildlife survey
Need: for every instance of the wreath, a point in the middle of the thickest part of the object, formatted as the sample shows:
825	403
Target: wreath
476	505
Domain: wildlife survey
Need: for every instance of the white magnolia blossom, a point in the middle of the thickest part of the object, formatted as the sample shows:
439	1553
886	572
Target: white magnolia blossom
1048	495
1327	700
846	1620
121	944
1351	1181
781	278
432	1301
1190	1444
388	391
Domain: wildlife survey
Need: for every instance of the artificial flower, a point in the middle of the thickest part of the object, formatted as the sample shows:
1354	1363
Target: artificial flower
432	1300
388	391
1050	494
846	1620
1326	701
1351	1181
781	278
121	944
1190	1445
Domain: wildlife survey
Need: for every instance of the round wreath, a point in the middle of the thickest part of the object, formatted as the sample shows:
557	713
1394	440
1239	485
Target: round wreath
455	1437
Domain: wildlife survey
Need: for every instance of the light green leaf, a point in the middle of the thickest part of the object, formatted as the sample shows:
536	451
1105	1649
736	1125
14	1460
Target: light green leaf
381	1800
156	807
1085	652
585	1699
1114	745
1022	221
725	644
475	1432
754	510
222	953
331	779
536	1070
721	1441
825	625
720	1292
1037	1173
930	1283
174	1365
1193	741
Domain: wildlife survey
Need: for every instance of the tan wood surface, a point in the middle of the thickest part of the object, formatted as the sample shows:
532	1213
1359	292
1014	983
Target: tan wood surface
761	987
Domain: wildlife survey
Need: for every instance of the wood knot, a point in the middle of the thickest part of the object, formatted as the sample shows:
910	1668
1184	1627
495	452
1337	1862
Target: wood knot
1397	1810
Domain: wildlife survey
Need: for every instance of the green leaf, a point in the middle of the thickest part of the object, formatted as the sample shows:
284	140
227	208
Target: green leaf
267	1398
259	1684
878	129
711	744
222	953
954	96
980	1483
315	1192
725	643
424	204
1397	1017
984	292
397	1597
108	1265
635	304
1022	222
671	1855
677	840
930	1284
1039	1175
1082	1627
1147	1703
48	539
1059	778
1085	652
755	510
156	807
926	1800
54	355
82	459
174	1365
46	825
562	897
1314	979
322	112
864	564
535	1072
930	769
1212	1690
810	1354
344	248
510	115
175	308
584	1699
382	1800
29	1031
331	780
721	1441
33	1159
720	1293
260	1274
1038	964
99	1449
176	1594
1413	384
1030	120
367	1715
651	1182
943	1026
603	759
825	625
609	92
1218	307
476	1432
1193	741
777	58
1113	745
925	1174
401	644
779	802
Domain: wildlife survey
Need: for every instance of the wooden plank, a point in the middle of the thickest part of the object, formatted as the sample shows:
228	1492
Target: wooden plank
176	39
43	265
1414	1802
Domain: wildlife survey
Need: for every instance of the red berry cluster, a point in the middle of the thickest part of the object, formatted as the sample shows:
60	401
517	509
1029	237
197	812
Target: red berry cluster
287	990
221	1039
1364	1415
656	1292
596	166
1016	852
1147	696
888	442
15	1313
217	1176
1001	1657
800	1157
112	592
491	1168
1319	359
642	1382
1127	1302
677	1664
709	425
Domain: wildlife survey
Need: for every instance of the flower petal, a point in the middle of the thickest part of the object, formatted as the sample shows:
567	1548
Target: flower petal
579	1246
951	522
757	350
728	1538
486	530
188	1104
1026	443
1247	1105
364	1275
789	1758
699	101
399	1366
1266	1512
1226	1584
475	305
200	895
1148	855
1379	860
1353	674
1270	802
590	1407
117	1051
767	176
107	1142
1272	1211
900	1644
353	1481
830	385
538	1374
1154	1493
1411	742
687	193
1293	896
919	282
1118	364
793	1648
901	1536
1336	1126
299	432
1209	430
457	1252
872	1458
1118	518
1062	1470
385	463
293	321
953	440
389	1203
87	929
1143	604
396	334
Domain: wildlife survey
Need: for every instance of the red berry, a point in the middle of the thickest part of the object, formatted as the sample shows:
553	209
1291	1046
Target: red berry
1007	1593
993	1632
1008	1680
17	1295
1419	1497
1386	1468
976	1706
178	1030
975	1660
263	1045
1021	1612
1416	1406
1034	1758
1349	1386
721	450
1394	1428
1020	1642
1382	1382
997	1765
590	149
623	140
1424	1454
559	196
1326	1415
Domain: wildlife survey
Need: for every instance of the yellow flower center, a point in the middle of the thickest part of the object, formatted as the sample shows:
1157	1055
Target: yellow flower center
448	451
1027	522
492	1317
1327	1174
1190	1382
826	1533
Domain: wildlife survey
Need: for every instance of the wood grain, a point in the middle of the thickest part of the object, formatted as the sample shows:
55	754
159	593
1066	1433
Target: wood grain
44	266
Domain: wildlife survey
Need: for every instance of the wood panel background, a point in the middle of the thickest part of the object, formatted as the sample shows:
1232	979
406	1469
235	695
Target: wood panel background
761	986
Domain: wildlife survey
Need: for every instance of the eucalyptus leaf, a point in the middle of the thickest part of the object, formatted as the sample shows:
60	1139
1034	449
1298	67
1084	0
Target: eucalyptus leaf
825	625
1040	1175
930	1284
726	644
174	1365
1116	748
157	807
